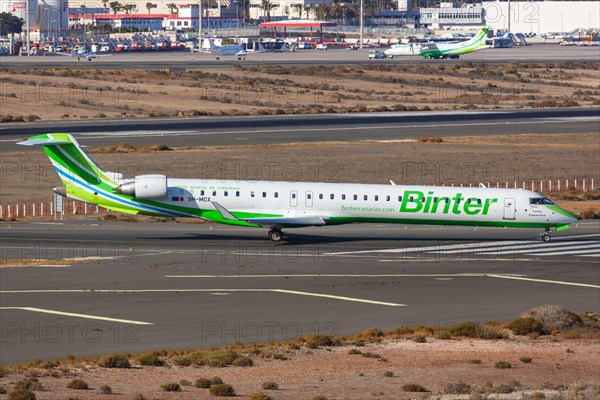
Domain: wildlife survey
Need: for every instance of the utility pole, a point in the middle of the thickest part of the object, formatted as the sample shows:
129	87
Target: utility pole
27	32
200	27
362	22
508	16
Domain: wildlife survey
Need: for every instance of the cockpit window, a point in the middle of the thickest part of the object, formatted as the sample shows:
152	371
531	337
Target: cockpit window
540	200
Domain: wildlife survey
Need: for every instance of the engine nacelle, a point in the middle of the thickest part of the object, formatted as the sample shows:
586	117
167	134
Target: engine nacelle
145	187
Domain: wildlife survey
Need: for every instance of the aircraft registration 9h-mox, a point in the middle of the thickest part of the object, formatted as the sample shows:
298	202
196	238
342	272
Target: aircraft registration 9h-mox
278	205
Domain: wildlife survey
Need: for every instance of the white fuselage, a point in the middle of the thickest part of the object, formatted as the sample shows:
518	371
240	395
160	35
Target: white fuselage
336	203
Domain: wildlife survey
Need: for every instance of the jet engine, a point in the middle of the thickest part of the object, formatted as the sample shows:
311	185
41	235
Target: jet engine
145	187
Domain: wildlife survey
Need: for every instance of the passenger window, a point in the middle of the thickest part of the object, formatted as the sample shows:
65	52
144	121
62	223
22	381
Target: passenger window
355	197
343	197
276	195
376	198
309	196
226	193
202	193
365	197
293	195
264	194
252	193
321	196
387	198
214	192
237	194
399	198
331	196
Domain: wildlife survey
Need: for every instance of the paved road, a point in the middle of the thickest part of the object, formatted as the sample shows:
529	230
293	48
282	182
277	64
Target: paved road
213	131
189	285
537	53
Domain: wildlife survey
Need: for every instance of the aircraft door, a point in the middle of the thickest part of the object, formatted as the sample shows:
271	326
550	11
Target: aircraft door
309	199
294	198
509	208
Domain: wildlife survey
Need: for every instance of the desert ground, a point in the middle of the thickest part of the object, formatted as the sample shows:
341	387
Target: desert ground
370	365
65	93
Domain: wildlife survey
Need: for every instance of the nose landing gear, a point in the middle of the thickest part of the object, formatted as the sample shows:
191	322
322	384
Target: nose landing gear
546	235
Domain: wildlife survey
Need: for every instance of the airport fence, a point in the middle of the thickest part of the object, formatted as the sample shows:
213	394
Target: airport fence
544	185
74	207
69	207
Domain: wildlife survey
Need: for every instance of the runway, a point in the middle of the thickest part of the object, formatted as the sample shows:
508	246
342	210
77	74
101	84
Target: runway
537	53
218	131
130	287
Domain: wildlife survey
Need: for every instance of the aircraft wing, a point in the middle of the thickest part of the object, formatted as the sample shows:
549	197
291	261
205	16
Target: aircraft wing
308	220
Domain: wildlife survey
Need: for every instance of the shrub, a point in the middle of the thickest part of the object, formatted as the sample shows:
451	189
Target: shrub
457	388
321	340
354	351
185	382
503	365
139	396
371	334
32	384
171	387
475	361
430	139
3	372
525	359
319	398
78	384
182	361
420	339
388	374
114	361
151	359
242	361
105	389
260	396
505	388
413	387
215	380
525	326
554	318
203	383
213	358
19	394
222	389
270	385
2	390
466	329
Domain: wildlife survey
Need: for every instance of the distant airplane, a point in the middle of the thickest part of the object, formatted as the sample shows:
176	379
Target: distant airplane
278	205
228	50
411	49
84	54
455	50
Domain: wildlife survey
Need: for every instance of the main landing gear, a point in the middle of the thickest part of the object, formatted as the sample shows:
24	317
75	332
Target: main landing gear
546	235
276	235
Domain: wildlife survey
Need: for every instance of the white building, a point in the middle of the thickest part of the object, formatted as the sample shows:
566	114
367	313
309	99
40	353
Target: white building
542	16
453	16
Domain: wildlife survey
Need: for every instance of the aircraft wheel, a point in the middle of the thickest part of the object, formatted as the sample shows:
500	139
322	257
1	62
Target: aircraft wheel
546	238
276	235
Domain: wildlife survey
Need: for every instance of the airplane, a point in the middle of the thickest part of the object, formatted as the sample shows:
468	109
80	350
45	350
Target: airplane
411	49
455	50
84	54
278	205
228	50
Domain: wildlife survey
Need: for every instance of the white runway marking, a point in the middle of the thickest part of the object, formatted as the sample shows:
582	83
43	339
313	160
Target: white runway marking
561	246
295	292
69	314
435	276
522	278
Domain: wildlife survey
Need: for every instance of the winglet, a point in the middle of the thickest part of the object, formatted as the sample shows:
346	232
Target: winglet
224	213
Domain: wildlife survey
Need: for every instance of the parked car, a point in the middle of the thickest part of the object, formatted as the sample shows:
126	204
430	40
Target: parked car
304	45
321	46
